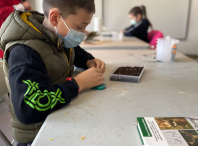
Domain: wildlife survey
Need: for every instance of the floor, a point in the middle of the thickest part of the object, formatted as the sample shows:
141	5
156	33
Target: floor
5	120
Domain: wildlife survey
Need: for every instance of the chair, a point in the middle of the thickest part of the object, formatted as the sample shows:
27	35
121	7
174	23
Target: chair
153	36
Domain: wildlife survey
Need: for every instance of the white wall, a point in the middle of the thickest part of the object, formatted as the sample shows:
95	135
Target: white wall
190	46
37	5
168	16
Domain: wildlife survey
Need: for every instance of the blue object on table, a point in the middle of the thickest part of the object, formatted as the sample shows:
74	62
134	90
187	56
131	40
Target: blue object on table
100	87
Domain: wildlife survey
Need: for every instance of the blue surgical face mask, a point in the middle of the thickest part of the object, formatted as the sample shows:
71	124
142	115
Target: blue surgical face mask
133	22
73	38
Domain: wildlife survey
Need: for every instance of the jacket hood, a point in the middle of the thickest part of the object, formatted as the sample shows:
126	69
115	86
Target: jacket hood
23	26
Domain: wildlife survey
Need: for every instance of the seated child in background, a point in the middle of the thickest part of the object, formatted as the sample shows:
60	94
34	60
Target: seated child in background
140	23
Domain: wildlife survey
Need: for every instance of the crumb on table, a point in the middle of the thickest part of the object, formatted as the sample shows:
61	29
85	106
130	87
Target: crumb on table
82	138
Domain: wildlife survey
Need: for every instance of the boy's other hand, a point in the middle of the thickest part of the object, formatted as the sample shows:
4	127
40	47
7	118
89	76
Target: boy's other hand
27	6
89	78
86	32
96	63
123	31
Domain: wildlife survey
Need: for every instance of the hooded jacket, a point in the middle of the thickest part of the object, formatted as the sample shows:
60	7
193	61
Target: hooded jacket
37	67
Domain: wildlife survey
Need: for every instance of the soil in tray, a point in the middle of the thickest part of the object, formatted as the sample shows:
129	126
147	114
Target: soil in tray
130	71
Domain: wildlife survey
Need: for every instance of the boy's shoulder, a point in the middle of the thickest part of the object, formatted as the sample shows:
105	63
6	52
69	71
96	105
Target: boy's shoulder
22	55
21	51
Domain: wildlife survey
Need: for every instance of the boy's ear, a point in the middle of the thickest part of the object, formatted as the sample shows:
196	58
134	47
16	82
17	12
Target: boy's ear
54	16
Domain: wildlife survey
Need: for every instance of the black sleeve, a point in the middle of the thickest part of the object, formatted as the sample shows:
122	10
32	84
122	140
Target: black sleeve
128	31
139	30
128	28
81	57
32	96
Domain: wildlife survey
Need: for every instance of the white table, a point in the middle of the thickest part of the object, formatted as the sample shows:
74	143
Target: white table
105	118
126	43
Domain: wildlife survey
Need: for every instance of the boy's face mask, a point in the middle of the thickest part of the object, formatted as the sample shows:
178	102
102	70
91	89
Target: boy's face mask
73	38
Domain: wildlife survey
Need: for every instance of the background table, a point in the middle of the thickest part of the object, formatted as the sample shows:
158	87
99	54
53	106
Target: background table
105	118
126	43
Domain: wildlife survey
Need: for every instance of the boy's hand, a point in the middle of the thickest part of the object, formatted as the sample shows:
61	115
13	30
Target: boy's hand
96	63
123	31
89	78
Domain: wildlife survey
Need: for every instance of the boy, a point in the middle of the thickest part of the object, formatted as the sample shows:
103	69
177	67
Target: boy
40	54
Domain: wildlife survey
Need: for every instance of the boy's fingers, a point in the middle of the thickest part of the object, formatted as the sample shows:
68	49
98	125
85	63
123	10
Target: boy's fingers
101	78
104	70
98	63
100	83
103	65
99	70
93	66
100	74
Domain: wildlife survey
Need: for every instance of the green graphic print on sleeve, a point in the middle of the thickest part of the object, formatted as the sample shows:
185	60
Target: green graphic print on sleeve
34	95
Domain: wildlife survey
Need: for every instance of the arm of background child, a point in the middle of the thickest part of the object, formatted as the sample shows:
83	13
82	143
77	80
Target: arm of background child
137	31
81	57
32	96
129	31
128	28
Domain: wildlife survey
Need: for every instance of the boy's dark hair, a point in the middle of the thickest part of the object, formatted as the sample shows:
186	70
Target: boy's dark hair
142	11
67	7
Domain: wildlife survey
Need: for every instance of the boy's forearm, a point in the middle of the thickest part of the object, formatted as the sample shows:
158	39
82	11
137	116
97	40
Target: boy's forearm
34	101
33	97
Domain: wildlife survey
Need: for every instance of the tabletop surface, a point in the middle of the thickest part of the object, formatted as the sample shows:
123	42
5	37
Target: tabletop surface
127	42
108	117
